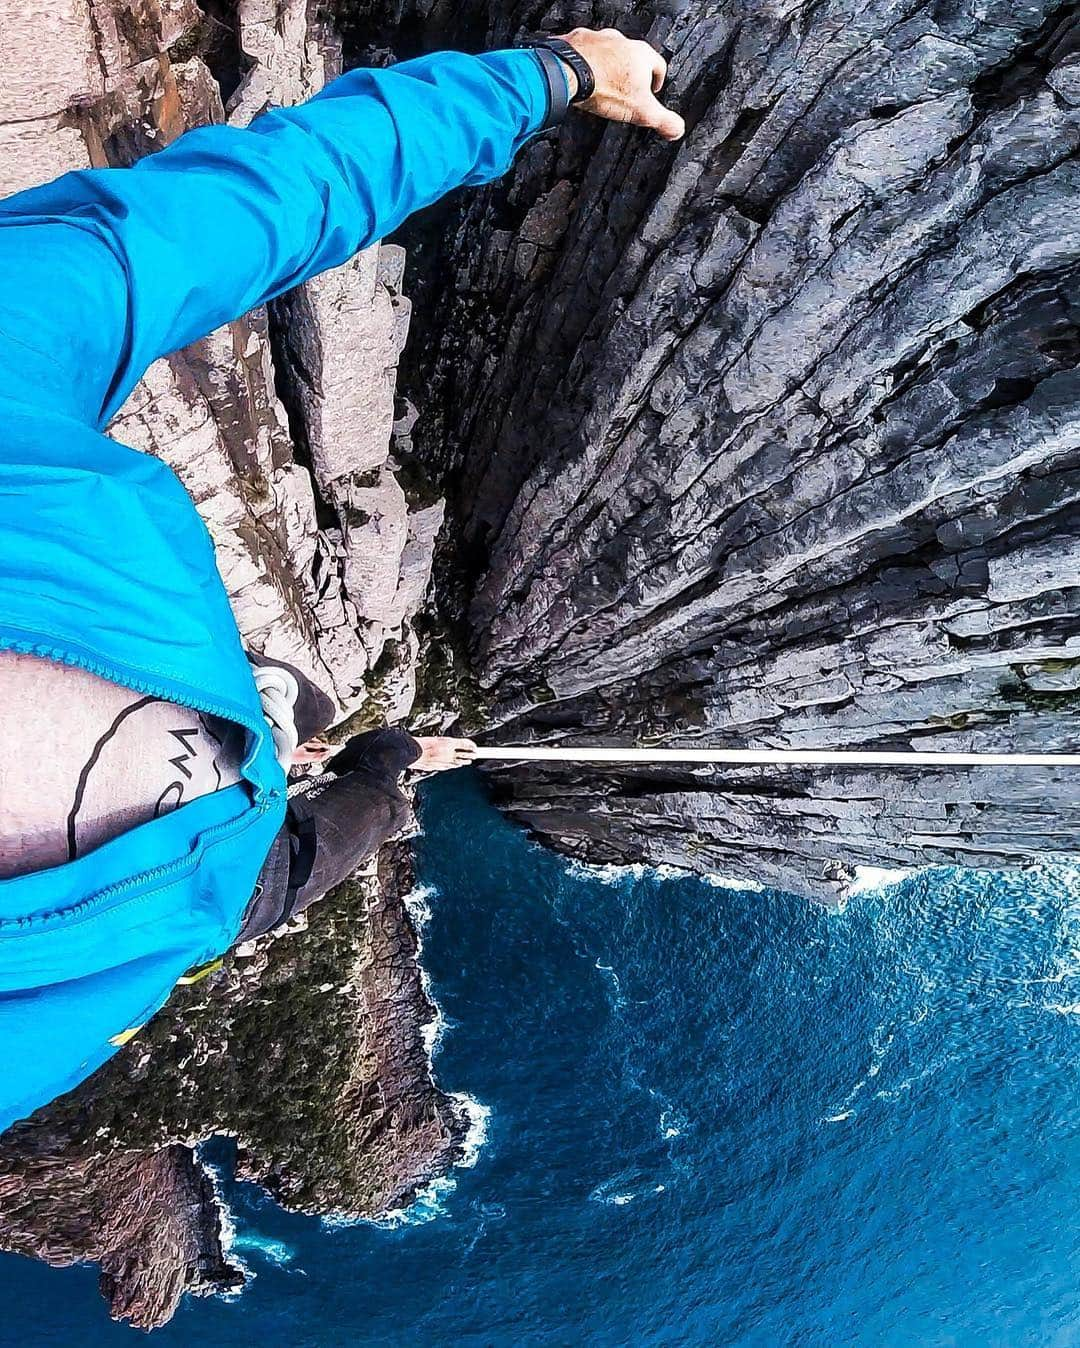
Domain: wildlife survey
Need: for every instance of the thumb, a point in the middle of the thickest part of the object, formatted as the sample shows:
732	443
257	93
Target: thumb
665	122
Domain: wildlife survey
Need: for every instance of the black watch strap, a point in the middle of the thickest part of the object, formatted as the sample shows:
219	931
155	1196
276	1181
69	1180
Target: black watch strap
557	88
586	80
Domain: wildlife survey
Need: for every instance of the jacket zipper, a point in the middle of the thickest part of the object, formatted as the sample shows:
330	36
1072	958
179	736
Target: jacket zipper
21	926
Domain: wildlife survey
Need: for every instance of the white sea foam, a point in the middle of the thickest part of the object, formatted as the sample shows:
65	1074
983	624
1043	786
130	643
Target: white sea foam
613	874
430	1200
619	1199
477	1132
418	905
275	1251
431	1033
229	1242
880	1043
673	1122
613	978
869	878
732	882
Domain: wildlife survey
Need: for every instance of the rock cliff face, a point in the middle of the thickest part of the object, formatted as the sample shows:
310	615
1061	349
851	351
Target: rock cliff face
773	437
308	1050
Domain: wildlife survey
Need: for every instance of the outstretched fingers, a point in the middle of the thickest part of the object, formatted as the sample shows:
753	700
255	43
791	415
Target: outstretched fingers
664	121
629	74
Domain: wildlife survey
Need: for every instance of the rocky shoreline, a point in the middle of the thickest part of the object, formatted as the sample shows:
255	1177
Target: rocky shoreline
308	1050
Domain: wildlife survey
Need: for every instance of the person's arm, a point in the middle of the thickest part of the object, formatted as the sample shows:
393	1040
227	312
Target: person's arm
104	270
107	269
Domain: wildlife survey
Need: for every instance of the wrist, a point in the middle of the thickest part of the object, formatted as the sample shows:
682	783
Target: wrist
577	66
558	95
570	75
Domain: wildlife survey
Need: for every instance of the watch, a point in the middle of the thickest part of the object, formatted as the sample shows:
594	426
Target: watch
569	55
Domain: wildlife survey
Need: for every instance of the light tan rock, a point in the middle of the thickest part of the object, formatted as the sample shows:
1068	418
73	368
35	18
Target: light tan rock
414	570
48	55
341	366
289	63
37	151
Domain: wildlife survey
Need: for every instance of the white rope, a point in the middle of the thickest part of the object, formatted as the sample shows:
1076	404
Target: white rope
278	691
786	758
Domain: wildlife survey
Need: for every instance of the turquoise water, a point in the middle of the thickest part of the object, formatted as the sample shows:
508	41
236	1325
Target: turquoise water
716	1117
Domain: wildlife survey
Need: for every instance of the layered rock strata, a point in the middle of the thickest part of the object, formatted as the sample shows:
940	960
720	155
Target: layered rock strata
773	437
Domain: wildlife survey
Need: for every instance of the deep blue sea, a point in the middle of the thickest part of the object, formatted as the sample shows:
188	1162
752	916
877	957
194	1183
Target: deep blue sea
717	1117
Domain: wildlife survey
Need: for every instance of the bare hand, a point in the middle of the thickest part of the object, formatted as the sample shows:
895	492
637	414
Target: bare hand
441	752
629	74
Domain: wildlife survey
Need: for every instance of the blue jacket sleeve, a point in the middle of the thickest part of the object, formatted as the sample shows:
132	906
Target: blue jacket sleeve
105	270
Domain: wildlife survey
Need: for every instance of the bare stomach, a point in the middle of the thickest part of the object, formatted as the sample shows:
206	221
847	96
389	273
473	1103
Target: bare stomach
83	760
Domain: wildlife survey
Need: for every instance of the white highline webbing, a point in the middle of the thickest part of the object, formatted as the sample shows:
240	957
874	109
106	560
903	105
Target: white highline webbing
785	758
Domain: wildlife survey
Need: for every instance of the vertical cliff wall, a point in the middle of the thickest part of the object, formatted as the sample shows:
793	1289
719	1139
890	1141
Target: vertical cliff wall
773	436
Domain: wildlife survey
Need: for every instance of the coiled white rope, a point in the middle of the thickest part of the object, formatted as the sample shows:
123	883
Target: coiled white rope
278	691
786	758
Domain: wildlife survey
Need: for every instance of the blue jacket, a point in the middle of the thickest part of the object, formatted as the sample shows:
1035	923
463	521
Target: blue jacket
104	562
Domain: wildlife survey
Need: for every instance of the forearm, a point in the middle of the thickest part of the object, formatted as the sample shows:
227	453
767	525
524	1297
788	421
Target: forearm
125	265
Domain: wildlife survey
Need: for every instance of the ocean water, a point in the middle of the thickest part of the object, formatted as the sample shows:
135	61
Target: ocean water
716	1117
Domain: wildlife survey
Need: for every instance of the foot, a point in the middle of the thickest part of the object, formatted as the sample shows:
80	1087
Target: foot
440	752
314	751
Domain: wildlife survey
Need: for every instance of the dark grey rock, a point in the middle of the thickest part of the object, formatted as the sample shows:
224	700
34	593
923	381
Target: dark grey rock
774	437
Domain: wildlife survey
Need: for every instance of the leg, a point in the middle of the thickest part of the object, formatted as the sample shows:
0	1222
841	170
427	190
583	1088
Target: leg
347	821
327	833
